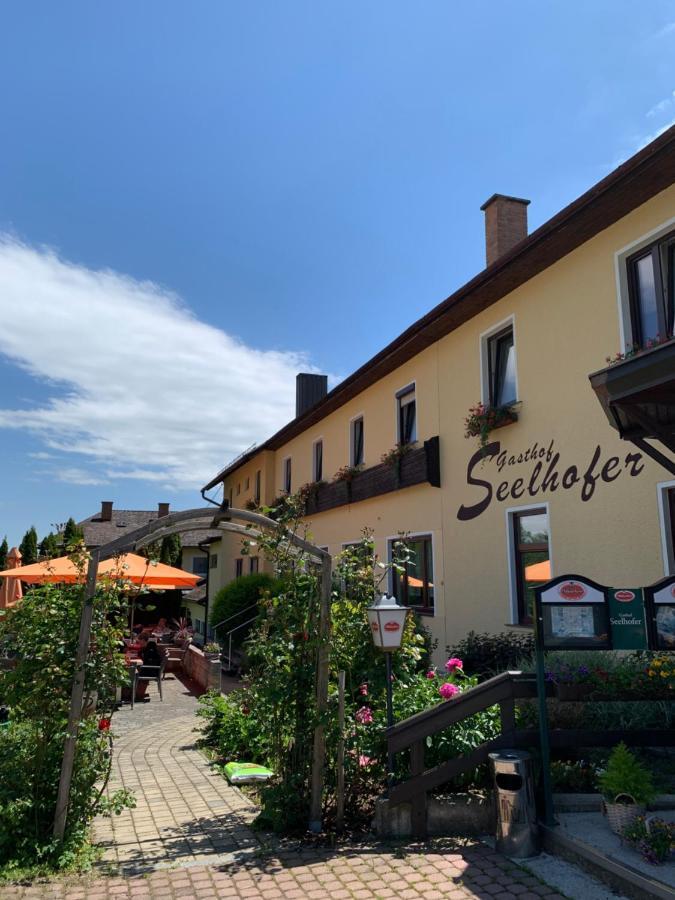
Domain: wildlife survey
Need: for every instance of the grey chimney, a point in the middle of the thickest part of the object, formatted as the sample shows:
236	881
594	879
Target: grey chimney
106	510
505	225
309	390
162	510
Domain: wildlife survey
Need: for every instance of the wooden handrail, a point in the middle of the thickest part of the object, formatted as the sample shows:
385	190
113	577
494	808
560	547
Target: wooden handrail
430	721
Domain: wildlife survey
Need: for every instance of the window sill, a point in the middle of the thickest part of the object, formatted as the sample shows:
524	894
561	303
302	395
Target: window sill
525	626
422	610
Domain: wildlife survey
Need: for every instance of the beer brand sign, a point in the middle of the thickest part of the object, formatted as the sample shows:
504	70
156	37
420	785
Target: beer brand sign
490	474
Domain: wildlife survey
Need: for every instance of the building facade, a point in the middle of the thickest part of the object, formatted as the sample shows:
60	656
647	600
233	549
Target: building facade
555	489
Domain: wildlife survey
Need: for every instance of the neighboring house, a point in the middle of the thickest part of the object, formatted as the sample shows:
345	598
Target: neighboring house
557	490
111	523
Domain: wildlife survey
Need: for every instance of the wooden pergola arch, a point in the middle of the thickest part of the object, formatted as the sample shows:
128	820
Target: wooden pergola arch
199	519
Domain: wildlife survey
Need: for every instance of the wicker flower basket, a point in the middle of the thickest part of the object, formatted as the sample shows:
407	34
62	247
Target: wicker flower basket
622	812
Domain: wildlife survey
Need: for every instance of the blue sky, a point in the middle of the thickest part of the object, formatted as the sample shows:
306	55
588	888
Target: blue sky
197	200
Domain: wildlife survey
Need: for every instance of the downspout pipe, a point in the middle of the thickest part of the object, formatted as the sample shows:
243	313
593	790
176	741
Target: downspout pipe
205	548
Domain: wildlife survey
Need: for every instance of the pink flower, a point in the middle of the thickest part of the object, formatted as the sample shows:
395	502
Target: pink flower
364	761
431	673
364	715
363	689
447	690
454	663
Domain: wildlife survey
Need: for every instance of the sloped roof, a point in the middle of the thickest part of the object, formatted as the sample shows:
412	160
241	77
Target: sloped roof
644	175
98	531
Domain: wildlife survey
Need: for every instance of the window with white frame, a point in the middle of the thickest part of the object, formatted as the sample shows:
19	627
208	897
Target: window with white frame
213	561
253	564
317	460
287	481
414	586
406	412
651	290
356	447
200	565
256	494
238	567
529	558
498	366
645	273
667	515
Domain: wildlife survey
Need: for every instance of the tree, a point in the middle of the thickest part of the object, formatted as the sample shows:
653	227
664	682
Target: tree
72	534
29	547
50	547
171	550
4	550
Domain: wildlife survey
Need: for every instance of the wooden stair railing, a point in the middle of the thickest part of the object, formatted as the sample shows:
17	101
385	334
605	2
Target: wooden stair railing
503	690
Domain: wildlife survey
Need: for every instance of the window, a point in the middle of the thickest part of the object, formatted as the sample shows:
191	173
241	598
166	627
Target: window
247	484
501	359
238	568
356	449
407	415
317	460
667	504
253	565
256	495
415	586
287	474
199	565
230	496
651	290
213	561
238	488
531	558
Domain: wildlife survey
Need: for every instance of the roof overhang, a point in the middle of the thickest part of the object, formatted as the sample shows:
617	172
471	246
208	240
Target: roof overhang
638	397
640	178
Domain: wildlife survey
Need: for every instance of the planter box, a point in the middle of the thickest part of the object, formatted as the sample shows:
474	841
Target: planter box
419	466
452	814
574	691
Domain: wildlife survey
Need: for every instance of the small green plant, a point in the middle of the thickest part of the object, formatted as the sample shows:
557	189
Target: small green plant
394	456
212	647
625	776
653	838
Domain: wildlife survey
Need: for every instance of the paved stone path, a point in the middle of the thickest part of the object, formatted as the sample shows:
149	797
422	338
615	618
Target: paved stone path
189	836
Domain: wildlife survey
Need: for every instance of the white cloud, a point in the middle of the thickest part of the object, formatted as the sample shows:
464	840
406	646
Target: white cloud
134	383
667	29
76	475
661	106
643	141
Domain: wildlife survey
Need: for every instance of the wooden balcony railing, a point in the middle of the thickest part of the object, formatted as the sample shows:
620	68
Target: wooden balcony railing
418	466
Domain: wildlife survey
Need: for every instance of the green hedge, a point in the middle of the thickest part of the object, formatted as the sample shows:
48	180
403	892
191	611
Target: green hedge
234	599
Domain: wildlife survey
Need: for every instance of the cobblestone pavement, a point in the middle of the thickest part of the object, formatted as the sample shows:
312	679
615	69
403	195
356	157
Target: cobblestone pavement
189	836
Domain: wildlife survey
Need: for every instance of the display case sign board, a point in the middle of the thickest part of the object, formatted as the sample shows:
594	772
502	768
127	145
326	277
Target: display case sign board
575	613
660	600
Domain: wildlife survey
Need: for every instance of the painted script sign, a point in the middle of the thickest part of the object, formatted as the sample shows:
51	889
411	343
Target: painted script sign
496	474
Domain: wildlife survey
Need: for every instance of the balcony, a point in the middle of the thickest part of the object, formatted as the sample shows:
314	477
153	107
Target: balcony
418	466
638	397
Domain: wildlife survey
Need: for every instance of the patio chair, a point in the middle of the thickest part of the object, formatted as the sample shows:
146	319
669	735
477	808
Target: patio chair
155	673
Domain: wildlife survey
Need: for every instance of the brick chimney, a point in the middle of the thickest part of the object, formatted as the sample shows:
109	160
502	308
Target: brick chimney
162	509
106	510
505	225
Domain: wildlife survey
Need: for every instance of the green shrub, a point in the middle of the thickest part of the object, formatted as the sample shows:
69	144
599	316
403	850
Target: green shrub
42	634
230	730
231	603
625	775
487	655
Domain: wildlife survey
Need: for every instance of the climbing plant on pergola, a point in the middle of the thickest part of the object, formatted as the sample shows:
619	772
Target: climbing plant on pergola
201	519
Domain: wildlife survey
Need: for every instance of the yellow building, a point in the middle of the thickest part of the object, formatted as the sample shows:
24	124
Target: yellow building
555	490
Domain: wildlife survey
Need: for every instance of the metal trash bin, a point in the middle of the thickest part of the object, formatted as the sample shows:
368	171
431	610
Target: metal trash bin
517	829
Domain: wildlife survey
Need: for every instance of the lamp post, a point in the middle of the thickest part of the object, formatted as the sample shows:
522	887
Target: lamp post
386	618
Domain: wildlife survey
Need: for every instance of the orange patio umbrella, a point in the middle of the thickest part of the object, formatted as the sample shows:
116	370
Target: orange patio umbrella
540	571
128	567
10	589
